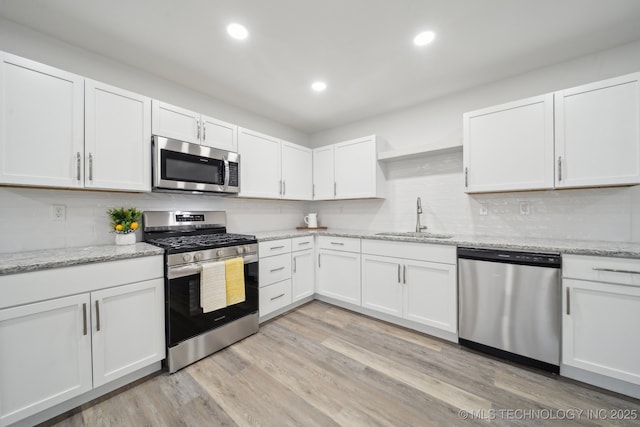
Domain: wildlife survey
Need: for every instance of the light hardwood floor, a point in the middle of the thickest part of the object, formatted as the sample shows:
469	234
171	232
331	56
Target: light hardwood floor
324	366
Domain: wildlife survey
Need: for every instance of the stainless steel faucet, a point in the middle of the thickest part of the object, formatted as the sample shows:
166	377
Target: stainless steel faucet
419	227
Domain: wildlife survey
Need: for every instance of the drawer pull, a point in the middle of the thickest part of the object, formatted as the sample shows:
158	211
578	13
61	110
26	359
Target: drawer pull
97	315
295	264
275	298
84	318
304	243
568	301
404	274
337	243
615	270
277	247
277	269
399	279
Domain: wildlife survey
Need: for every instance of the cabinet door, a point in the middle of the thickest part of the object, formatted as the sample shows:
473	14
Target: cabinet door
382	284
598	133
431	295
509	147
45	355
355	168
117	138
339	275
600	328
323	182
41	124
128	329
260	165
302	274
175	122
297	173
219	134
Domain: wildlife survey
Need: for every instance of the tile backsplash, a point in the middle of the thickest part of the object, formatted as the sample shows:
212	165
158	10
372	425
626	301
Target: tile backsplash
611	214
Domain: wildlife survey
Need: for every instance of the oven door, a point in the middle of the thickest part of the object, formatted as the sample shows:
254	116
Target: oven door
184	316
182	166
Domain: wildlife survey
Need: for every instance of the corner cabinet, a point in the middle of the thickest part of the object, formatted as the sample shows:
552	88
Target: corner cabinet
510	146
598	133
179	123
272	168
586	136
348	170
41	124
100	322
601	303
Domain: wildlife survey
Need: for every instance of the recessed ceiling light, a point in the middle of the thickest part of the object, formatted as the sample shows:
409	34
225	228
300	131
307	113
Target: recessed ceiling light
424	38
237	31
319	86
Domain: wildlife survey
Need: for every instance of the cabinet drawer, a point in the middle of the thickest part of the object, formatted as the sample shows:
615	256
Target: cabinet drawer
339	243
273	247
418	251
274	269
275	296
622	271
301	243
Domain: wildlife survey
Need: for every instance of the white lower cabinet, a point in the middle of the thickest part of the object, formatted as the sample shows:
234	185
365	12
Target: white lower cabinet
601	304
416	290
339	269
61	347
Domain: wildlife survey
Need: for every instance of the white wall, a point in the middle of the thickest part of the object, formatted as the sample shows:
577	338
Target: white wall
600	214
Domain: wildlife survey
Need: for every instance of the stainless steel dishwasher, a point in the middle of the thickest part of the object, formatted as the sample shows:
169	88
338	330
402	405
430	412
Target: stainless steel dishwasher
510	305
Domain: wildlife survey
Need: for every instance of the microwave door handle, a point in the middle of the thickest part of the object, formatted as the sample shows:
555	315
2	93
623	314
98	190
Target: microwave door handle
227	174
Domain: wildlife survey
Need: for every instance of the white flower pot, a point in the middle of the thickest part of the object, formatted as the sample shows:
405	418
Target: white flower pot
126	239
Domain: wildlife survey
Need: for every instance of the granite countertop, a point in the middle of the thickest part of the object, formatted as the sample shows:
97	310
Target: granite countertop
22	262
580	247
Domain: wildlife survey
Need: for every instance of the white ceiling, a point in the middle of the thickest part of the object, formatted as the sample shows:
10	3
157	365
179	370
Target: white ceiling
361	48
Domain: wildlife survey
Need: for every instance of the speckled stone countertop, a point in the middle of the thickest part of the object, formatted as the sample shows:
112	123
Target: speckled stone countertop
580	247
22	262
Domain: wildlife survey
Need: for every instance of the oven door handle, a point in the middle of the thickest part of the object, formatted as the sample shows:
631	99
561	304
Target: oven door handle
185	270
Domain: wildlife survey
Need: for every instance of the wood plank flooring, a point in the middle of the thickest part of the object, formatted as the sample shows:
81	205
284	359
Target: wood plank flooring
324	366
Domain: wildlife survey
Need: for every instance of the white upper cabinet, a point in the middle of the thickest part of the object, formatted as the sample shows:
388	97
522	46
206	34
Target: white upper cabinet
273	169
586	136
356	171
41	124
297	172
510	146
260	165
117	138
323	188
598	133
179	123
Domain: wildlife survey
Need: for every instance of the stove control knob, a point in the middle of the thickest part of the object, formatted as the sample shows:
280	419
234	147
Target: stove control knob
240	249
197	256
186	257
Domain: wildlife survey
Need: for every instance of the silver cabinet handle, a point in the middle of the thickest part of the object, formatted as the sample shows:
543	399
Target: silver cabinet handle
399	280
319	260
97	315
277	269
559	168
277	247
337	243
198	128
280	187
90	167
284	187
295	264
78	166
568	301
313	190
615	270
335	189
204	131
275	298
404	274
84	318
304	243
466	177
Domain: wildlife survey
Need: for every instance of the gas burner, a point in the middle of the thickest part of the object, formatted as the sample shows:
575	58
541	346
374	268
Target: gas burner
176	244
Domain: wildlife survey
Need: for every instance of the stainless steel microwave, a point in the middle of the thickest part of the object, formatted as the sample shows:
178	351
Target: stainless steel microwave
180	166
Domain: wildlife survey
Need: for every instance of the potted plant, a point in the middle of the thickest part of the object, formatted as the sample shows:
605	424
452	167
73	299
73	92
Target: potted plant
124	222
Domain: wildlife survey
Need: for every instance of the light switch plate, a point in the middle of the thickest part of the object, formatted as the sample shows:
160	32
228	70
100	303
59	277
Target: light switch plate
484	209
58	212
525	208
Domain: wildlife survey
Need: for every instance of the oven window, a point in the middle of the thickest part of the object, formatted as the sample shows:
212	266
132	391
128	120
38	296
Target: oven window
190	168
185	318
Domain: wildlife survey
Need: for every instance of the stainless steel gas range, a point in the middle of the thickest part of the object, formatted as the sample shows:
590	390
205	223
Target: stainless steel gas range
194	241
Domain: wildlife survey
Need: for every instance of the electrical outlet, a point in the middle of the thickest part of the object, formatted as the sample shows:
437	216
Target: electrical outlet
58	212
525	208
484	209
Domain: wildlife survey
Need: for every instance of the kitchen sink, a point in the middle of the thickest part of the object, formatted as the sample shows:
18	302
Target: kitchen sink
414	234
